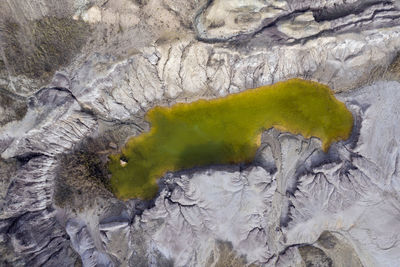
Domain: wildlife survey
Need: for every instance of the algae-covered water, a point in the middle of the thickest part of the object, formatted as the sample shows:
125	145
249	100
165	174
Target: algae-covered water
224	131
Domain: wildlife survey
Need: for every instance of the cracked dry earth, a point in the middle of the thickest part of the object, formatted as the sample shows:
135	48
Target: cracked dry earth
77	76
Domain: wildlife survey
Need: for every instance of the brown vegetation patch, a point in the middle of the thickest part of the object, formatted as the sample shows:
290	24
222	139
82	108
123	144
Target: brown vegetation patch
81	179
11	108
82	174
224	255
40	48
395	65
313	256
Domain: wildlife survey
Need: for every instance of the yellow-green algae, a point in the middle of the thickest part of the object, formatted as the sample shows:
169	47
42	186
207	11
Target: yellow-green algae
224	130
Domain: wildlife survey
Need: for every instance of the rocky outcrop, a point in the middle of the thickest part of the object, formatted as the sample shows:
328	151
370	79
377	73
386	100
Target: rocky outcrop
293	205
290	21
29	220
84	245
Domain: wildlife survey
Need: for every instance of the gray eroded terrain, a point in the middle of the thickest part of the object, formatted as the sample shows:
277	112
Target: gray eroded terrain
77	77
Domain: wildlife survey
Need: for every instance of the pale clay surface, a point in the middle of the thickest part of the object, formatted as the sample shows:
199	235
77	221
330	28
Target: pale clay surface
143	53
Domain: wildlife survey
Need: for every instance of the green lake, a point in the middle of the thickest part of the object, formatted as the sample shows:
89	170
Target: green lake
224	131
